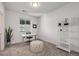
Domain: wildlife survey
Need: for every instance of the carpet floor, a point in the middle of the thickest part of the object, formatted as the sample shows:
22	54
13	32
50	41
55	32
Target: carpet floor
22	49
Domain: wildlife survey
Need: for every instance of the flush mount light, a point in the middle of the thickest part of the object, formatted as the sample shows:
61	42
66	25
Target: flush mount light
35	4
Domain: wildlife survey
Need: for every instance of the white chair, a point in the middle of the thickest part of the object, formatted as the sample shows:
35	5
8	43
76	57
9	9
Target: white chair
36	46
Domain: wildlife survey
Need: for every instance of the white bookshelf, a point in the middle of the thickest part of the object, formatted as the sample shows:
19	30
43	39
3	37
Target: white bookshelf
64	37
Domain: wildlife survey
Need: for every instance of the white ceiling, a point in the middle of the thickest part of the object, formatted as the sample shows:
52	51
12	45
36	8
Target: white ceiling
44	7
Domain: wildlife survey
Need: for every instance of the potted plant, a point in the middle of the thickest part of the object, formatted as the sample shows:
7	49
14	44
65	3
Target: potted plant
8	35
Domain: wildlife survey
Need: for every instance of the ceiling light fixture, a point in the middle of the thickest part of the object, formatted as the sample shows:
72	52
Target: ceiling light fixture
35	4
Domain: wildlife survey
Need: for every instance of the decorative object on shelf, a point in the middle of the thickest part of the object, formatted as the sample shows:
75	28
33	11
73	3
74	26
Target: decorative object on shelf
63	23
8	34
66	21
34	26
59	24
60	29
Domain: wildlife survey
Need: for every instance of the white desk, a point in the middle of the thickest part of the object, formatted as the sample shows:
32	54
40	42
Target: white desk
24	36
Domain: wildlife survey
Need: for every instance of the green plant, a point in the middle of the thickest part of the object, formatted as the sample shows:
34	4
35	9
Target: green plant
8	34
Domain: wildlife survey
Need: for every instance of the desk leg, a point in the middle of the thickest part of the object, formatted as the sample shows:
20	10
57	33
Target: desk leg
35	37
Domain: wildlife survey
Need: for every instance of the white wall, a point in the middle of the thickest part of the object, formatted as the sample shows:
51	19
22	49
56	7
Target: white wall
13	20
2	25
48	28
49	23
2	8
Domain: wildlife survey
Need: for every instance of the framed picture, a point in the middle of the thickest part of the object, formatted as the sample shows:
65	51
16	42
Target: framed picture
22	21
34	26
28	22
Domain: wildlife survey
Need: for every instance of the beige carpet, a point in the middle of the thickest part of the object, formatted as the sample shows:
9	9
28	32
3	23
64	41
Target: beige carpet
22	49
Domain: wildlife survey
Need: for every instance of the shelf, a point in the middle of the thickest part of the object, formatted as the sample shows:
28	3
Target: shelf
68	50
64	40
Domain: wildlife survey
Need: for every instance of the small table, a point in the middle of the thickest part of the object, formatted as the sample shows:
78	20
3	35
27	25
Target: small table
28	36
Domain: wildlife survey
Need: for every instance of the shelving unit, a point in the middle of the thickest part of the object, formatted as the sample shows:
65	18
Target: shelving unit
74	30
64	37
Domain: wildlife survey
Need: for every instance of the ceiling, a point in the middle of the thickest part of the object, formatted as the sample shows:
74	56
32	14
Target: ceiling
44	7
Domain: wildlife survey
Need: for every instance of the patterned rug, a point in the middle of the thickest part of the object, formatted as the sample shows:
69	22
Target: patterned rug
22	49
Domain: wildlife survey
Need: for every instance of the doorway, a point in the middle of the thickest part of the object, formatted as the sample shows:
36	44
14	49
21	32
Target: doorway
1	32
